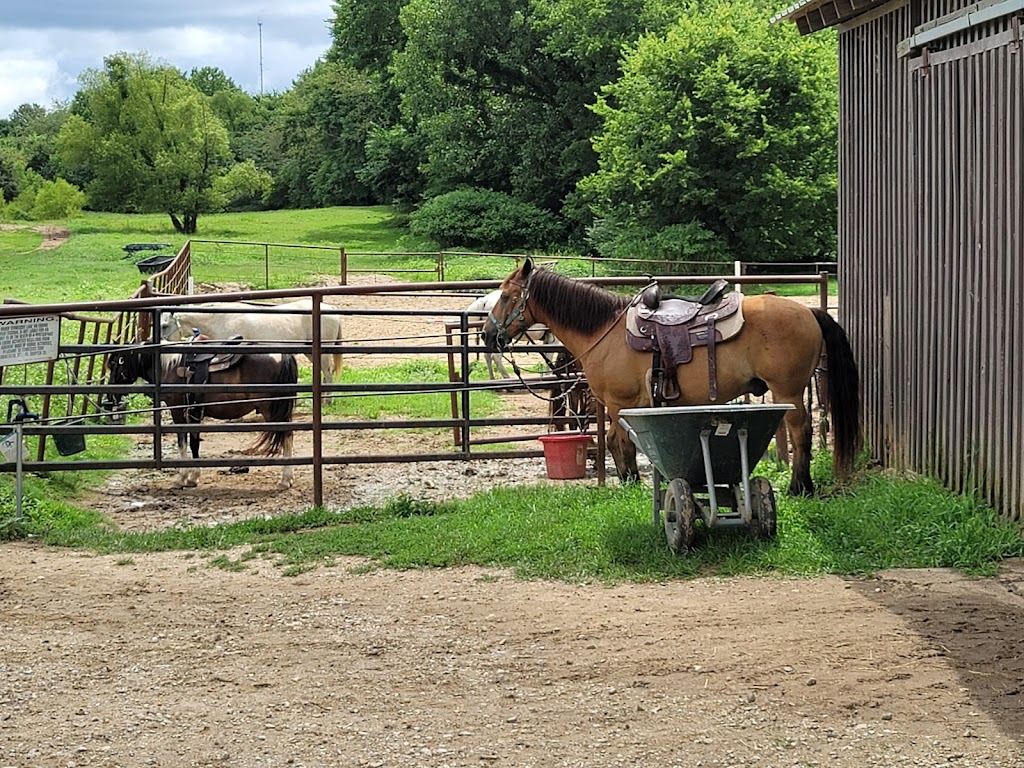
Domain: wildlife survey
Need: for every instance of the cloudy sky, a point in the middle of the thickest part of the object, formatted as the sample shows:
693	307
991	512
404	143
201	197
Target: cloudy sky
46	44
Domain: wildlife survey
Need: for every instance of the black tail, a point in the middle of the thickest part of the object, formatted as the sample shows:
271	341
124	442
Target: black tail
281	409
843	392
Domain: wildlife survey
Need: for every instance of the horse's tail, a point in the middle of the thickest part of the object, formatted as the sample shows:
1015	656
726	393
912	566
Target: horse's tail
271	443
843	392
338	362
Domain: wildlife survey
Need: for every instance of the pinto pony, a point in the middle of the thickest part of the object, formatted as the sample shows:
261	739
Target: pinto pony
128	366
777	349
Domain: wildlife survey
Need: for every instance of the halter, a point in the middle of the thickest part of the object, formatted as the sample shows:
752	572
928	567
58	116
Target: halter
177	323
517	314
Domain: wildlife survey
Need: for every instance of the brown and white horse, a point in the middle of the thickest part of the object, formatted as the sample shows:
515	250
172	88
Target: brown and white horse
190	407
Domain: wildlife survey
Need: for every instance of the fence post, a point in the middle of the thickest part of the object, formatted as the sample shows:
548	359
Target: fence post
316	350
343	266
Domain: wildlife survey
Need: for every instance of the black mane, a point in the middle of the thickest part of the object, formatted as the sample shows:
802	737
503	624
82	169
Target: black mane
578	306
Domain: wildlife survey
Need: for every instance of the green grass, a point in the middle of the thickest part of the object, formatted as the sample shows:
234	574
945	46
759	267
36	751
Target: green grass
585	533
412	405
92	264
567	532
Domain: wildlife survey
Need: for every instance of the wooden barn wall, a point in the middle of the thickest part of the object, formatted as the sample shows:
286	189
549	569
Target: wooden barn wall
930	249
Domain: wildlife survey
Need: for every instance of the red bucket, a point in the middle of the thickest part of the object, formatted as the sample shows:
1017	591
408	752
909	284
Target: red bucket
565	455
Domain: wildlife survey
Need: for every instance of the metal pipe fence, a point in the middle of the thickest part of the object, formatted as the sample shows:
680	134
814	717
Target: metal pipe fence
131	322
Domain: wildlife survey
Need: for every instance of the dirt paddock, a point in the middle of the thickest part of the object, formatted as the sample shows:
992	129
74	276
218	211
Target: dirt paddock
166	660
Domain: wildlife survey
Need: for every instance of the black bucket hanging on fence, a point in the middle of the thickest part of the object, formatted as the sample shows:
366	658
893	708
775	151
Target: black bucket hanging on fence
67	444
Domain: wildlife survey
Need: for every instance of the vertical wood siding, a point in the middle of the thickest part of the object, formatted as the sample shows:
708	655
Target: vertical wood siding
931	252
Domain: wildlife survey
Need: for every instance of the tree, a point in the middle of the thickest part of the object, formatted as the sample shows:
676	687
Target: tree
33	130
147	140
366	33
499	90
324	124
244	188
211	80
57	200
723	125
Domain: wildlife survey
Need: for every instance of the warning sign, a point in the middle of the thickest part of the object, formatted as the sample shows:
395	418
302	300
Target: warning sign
29	339
9	447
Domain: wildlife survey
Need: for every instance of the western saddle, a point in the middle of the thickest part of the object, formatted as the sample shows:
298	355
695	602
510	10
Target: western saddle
671	327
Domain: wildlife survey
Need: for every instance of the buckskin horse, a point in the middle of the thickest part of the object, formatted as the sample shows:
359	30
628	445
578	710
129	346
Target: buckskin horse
199	367
761	343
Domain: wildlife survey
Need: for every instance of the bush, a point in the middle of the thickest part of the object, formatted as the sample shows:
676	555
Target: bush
659	249
57	200
243	188
485	220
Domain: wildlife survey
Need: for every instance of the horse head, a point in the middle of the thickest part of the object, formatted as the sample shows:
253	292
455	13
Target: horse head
123	367
510	317
170	327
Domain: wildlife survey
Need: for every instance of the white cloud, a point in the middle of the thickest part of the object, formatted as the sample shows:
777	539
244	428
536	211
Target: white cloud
45	65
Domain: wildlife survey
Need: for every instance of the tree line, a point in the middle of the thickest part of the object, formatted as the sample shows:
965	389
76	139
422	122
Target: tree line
690	130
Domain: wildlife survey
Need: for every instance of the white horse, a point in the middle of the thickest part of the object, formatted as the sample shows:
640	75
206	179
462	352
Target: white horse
294	323
538	334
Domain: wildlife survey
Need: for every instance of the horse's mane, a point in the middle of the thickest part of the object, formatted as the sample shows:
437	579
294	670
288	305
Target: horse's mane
579	306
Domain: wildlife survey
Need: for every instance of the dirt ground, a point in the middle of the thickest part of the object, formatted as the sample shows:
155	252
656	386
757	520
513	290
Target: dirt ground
165	660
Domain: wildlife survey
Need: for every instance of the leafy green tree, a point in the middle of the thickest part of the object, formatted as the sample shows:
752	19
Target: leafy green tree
245	187
12	166
391	171
724	125
481	218
241	114
211	80
325	122
366	33
499	90
147	140
33	130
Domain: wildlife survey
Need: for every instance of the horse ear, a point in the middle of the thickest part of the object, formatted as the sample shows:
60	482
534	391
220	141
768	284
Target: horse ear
527	268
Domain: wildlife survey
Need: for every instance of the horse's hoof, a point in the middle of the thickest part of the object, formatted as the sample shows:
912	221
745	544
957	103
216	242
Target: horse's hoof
283	486
801	489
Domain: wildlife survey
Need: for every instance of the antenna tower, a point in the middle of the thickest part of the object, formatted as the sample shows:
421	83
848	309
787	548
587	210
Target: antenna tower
260	25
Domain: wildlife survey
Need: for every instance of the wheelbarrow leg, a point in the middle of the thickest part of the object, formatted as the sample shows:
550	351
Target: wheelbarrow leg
709	475
745	481
656	496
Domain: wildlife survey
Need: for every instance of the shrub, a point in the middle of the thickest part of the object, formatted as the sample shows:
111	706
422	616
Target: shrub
57	200
485	220
659	249
243	188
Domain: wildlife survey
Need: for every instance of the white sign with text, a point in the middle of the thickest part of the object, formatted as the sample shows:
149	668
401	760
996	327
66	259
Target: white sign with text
29	339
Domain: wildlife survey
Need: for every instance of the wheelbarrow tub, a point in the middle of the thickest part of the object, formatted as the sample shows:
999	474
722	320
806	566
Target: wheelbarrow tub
670	437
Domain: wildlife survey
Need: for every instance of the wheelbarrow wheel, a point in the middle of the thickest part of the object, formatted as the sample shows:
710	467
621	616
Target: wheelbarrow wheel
680	514
762	506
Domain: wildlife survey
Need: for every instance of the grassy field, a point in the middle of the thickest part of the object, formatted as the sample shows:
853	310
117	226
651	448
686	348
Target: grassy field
267	249
599	534
92	264
586	534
